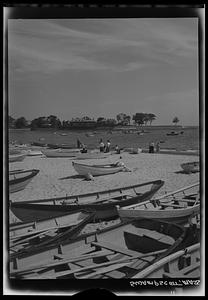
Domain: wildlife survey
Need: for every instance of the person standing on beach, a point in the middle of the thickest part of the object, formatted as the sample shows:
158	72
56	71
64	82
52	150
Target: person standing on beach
78	144
102	146
158	147
151	147
107	148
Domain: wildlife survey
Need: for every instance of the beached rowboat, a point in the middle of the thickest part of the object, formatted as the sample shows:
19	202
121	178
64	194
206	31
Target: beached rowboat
17	157
190	167
37	236
92	155
34	153
19	179
59	153
60	146
97	170
181	264
175	207
120	251
103	202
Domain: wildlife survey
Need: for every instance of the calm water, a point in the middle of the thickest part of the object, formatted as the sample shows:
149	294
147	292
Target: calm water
188	140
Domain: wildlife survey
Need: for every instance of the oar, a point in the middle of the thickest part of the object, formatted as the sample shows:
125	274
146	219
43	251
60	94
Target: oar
157	200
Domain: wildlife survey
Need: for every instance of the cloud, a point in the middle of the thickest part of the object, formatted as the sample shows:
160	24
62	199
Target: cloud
49	46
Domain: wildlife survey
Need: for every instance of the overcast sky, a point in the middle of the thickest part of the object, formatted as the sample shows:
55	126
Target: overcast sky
101	67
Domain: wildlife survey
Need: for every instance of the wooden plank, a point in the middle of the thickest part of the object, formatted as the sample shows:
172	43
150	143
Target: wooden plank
94	266
64	261
115	248
171	205
177	191
183	271
103	270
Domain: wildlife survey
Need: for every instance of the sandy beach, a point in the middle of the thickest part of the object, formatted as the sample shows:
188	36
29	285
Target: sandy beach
57	176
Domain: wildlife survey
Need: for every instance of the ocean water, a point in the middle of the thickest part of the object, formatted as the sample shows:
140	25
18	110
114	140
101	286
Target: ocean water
189	140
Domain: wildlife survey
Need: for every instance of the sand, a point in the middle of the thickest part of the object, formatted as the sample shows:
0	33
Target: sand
57	176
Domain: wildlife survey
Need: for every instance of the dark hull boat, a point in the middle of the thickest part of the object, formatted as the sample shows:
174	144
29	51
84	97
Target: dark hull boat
18	180
102	202
120	251
31	237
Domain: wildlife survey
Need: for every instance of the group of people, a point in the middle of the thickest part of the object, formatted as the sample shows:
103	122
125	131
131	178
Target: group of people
154	148
103	147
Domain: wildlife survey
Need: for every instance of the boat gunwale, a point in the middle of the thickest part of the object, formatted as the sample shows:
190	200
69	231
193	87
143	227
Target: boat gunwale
33	173
159	184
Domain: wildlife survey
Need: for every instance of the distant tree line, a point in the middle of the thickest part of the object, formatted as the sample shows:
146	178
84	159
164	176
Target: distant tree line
122	119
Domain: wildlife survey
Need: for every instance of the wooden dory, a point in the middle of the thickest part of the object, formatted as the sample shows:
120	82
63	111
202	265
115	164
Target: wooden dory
92	155
60	146
120	251
172	207
19	179
59	153
97	170
103	202
190	167
41	235
181	264
17	157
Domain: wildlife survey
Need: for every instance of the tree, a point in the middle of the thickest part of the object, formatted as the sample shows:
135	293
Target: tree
54	121
151	117
175	120
11	122
139	118
21	122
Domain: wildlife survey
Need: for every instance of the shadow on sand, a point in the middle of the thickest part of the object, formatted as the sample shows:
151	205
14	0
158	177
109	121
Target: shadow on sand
71	177
184	172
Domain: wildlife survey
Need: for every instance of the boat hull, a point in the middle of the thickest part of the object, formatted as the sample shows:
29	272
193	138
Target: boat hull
18	184
179	216
58	154
111	239
190	167
104	209
17	157
84	170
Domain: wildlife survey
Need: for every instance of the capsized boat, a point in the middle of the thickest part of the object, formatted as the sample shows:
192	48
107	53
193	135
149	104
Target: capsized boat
32	237
17	157
190	167
103	202
176	206
97	170
120	251
182	264
19	179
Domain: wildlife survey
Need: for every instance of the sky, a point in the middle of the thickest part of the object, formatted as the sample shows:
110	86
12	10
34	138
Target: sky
102	67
